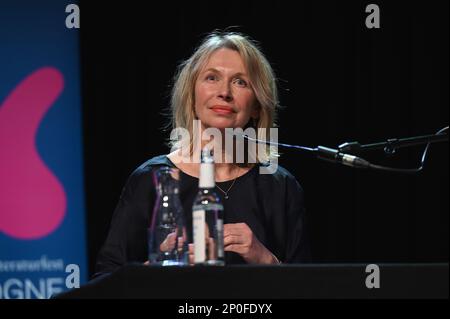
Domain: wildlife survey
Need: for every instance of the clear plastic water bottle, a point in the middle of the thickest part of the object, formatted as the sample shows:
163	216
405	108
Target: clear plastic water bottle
207	217
167	241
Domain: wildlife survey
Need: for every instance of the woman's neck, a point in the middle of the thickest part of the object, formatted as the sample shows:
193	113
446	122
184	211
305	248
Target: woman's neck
224	162
223	171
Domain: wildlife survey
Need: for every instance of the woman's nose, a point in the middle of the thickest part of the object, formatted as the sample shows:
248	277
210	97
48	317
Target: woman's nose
225	92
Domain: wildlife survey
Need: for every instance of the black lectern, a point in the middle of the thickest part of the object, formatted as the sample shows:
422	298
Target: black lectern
269	282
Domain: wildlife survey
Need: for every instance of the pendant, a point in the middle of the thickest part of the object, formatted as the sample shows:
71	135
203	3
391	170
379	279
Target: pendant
226	196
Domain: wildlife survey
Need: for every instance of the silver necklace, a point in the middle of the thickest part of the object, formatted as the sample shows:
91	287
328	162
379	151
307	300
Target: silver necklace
225	193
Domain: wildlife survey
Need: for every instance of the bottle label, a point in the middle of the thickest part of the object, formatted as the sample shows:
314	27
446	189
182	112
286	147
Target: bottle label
206	175
198	219
219	227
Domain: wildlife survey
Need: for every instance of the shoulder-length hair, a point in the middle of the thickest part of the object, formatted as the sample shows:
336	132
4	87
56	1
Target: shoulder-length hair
260	72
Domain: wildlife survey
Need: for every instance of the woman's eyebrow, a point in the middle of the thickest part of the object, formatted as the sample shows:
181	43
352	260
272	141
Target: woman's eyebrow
240	74
211	70
217	71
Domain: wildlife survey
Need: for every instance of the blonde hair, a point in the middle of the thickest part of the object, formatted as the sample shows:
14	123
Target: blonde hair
261	76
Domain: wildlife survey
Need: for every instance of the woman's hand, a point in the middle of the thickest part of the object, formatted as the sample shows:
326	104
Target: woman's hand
239	238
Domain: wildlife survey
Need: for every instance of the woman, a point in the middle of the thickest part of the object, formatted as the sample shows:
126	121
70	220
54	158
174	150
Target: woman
226	83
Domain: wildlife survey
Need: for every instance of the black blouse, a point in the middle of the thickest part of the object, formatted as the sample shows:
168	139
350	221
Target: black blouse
270	204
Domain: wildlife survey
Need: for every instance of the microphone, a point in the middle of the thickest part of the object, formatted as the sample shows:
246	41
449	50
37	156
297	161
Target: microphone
322	152
335	156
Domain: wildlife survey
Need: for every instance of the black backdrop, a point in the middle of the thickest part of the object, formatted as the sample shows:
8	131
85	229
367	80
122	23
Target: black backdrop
339	82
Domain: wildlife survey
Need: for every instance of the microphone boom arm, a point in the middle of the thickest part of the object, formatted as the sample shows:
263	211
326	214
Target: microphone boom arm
339	155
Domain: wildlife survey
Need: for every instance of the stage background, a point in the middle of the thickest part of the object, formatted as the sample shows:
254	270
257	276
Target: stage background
339	82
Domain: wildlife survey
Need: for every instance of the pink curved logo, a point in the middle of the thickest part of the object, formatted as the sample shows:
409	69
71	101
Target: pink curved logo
32	200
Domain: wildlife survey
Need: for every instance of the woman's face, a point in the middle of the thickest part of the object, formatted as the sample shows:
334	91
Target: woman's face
224	97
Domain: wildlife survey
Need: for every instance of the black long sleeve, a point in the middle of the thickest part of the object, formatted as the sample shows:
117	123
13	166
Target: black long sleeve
272	205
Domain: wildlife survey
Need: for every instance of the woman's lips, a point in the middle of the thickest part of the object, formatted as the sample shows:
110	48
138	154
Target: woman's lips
222	109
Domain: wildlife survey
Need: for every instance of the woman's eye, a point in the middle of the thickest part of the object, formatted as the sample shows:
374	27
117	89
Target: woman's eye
211	77
240	82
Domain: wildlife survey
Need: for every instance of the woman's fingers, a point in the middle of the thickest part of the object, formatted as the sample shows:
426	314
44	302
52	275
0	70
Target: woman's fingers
211	248
235	248
169	242
238	238
191	254
232	239
235	229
